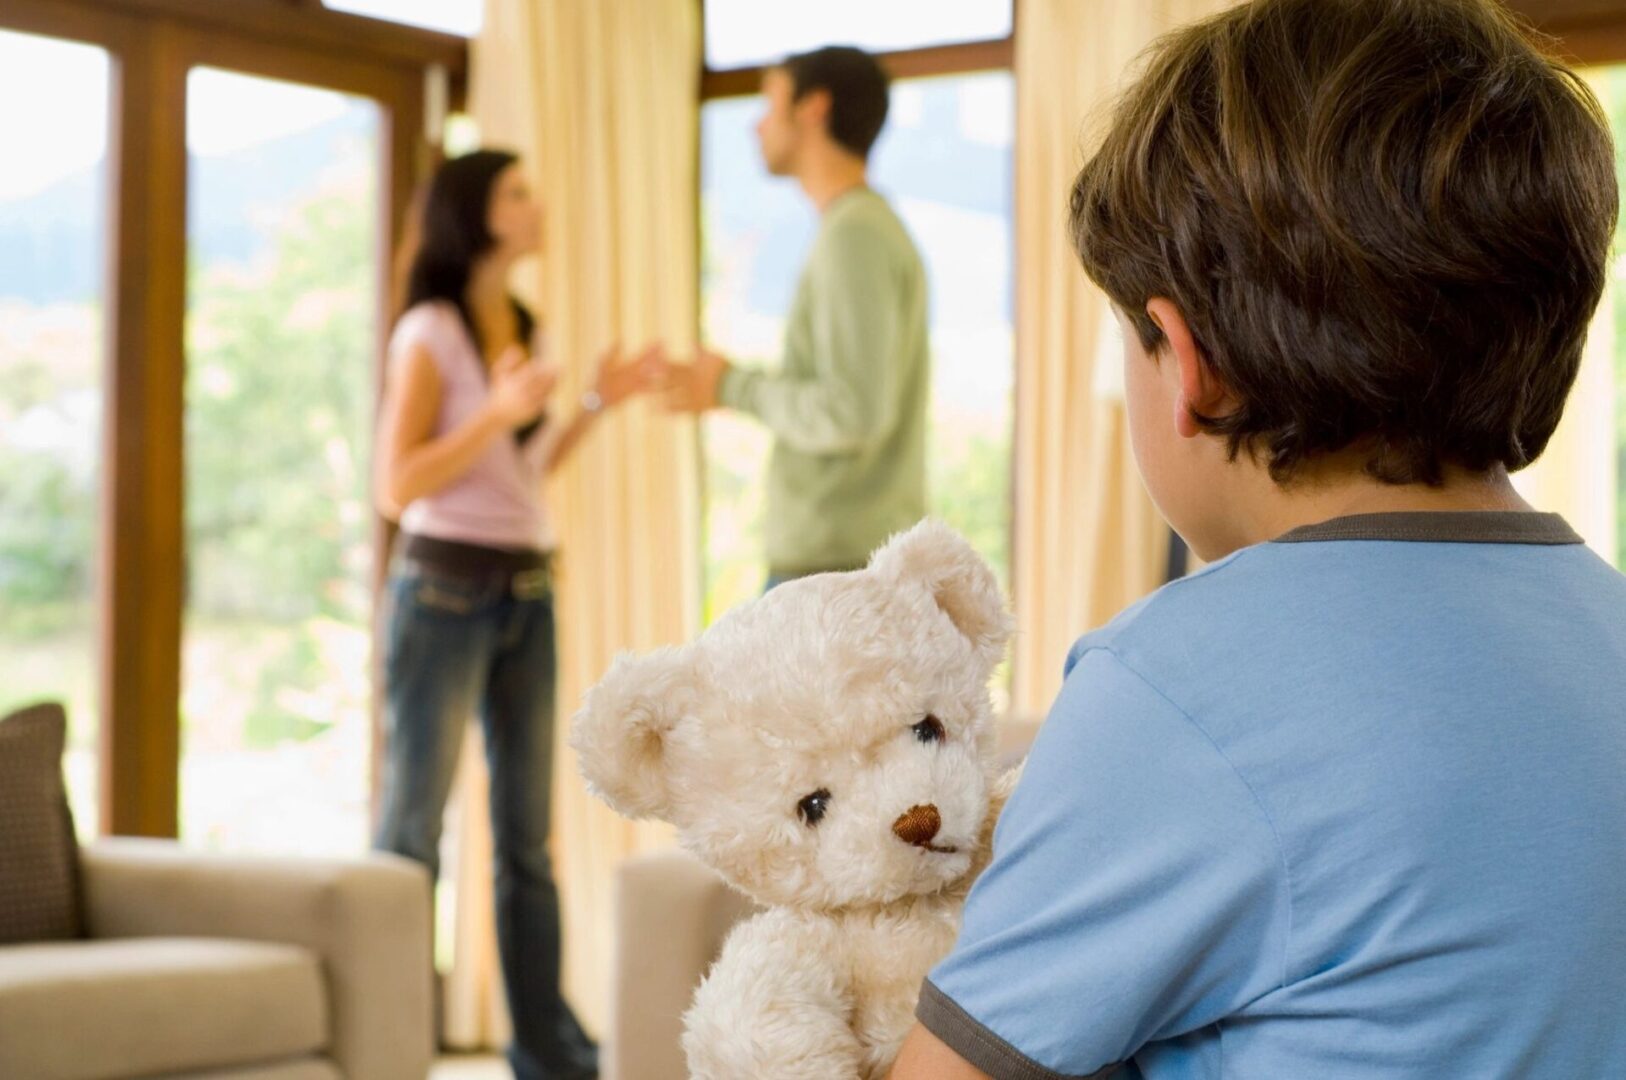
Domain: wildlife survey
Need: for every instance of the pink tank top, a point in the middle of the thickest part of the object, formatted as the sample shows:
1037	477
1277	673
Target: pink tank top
498	502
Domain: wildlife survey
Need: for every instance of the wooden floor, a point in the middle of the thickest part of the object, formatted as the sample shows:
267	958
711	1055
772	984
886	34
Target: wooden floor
470	1067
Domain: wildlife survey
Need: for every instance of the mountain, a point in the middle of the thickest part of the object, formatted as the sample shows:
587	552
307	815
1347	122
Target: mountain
51	242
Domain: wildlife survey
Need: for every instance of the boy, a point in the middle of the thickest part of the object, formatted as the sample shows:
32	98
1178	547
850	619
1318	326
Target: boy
1351	802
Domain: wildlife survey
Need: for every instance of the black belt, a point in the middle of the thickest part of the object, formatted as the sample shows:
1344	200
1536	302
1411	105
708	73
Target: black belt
457	559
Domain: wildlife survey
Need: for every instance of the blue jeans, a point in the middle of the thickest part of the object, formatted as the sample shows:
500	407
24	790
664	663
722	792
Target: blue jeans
458	646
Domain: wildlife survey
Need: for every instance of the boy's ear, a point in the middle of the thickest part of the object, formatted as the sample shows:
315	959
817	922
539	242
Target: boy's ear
620	734
960	583
1201	393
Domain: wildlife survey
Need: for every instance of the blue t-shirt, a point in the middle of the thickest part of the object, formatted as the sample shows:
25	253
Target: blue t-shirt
1345	806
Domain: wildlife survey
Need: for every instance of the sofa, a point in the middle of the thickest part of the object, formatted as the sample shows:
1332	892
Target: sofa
206	966
672	915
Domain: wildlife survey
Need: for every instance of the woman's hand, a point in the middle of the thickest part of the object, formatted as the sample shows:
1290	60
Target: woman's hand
520	387
619	378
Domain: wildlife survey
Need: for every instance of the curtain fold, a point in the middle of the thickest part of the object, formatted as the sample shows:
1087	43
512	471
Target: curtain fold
1577	476
1088	539
599	99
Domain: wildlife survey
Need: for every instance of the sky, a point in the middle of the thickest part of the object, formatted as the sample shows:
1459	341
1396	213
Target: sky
226	112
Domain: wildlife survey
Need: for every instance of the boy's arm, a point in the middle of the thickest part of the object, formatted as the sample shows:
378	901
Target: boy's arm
1137	893
850	399
926	1057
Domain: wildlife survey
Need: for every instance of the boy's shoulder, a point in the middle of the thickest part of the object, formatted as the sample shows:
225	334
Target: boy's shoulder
1179	613
1270	617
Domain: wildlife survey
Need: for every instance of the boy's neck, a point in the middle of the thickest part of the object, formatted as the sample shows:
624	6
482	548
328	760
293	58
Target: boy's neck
1264	510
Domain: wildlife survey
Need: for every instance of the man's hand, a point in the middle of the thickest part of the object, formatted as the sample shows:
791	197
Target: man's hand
692	387
619	377
926	1057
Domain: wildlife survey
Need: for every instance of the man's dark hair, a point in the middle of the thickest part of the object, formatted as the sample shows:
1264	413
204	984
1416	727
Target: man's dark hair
1387	223
857	87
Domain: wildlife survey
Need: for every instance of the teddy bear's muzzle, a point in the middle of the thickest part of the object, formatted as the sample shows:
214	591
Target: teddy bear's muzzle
919	825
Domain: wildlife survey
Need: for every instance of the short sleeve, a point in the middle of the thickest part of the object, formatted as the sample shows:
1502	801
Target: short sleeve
1136	894
421	326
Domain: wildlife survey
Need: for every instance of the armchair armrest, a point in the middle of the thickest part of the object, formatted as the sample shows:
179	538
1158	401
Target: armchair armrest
672	914
367	919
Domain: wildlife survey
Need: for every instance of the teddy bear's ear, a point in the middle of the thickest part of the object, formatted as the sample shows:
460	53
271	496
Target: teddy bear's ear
620	735
944	563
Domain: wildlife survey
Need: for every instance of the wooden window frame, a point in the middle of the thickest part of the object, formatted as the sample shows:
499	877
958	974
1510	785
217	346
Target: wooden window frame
961	58
151	46
1588	32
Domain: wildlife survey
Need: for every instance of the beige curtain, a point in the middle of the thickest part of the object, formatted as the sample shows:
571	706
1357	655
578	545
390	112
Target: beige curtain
1576	476
1088	540
598	97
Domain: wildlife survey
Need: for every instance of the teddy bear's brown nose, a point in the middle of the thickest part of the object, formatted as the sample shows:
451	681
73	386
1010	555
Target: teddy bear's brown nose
918	825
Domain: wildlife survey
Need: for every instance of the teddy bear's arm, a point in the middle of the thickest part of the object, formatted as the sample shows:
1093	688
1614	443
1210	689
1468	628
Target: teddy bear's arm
772	1006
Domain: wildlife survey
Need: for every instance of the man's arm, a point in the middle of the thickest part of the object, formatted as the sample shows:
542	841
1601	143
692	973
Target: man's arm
851	398
926	1057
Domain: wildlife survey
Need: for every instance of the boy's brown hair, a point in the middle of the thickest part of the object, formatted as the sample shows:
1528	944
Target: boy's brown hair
1387	223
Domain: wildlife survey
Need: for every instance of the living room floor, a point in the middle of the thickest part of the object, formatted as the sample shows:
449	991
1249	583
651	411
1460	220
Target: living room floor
469	1067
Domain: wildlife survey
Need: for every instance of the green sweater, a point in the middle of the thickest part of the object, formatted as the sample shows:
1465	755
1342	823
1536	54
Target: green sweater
848	406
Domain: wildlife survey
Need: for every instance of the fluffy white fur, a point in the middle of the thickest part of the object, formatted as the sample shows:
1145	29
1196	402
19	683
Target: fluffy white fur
818	685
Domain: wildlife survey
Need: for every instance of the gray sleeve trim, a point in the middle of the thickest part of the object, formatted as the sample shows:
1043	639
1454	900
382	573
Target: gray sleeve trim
1442	527
943	1017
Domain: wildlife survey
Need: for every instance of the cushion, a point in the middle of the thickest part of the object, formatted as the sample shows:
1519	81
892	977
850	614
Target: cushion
98	1010
39	858
308	1068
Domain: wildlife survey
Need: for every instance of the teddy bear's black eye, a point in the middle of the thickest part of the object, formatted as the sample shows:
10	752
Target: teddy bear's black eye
813	807
930	730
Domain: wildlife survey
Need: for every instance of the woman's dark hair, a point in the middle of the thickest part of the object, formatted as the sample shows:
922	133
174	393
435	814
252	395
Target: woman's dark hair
453	234
1387	223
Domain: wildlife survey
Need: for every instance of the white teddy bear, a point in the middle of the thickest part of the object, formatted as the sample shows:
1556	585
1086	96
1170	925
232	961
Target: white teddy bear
829	749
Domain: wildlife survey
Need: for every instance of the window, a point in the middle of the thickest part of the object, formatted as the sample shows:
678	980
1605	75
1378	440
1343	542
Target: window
746	33
944	162
52	241
280	340
462	17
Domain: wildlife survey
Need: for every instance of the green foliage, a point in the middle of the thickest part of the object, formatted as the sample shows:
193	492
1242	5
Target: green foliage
971	490
279	397
47	537
279	392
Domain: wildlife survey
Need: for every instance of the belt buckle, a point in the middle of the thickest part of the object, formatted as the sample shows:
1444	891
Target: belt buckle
530	584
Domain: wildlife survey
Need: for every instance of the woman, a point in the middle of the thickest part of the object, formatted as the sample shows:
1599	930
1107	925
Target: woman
463	444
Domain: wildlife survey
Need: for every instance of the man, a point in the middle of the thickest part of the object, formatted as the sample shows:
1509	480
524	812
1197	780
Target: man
848	407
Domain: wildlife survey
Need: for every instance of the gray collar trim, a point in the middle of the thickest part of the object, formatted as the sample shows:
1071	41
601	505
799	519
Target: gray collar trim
1442	527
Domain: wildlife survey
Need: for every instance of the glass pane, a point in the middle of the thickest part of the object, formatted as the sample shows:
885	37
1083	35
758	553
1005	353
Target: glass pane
944	161
463	17
279	389
51	259
744	33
